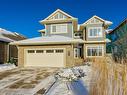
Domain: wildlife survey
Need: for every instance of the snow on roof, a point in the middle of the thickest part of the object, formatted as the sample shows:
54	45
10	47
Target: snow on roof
55	39
108	40
42	30
108	30
4	38
8	36
3	31
108	22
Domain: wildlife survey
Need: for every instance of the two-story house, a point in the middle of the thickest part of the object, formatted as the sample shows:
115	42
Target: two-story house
64	42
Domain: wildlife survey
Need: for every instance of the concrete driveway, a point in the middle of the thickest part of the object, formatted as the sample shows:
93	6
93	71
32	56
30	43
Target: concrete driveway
26	81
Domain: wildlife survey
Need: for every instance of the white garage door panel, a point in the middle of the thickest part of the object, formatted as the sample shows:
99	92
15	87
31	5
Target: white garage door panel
45	59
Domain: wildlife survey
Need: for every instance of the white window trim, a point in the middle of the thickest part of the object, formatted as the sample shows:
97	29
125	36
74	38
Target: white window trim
56	26
95	46
94	28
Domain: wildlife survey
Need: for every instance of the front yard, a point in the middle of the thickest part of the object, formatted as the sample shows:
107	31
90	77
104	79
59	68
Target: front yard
46	81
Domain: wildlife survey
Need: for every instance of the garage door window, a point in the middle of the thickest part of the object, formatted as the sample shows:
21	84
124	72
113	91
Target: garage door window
49	51
39	51
31	51
59	51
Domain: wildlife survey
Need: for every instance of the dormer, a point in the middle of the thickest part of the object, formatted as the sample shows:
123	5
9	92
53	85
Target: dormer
59	23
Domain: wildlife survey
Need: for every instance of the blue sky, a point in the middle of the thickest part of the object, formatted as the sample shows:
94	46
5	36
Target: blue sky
22	16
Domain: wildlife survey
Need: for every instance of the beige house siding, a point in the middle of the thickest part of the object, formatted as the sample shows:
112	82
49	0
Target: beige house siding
69	53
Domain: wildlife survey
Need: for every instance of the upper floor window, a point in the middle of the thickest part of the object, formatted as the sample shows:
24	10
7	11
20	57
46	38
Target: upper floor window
95	32
58	28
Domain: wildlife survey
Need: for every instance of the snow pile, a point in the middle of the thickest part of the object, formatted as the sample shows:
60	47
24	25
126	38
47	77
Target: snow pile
72	81
70	74
5	67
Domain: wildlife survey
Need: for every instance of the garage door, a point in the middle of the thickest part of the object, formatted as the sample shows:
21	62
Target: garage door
45	57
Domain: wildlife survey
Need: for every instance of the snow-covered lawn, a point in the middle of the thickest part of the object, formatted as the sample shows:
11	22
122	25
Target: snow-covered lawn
72	81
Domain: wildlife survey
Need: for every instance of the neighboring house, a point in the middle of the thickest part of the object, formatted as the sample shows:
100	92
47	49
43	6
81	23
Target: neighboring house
64	42
108	45
118	43
6	51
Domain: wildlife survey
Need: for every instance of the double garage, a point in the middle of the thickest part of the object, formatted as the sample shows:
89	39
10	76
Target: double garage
45	57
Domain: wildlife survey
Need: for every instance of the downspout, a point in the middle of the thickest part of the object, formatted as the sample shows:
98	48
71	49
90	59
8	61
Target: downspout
73	54
8	54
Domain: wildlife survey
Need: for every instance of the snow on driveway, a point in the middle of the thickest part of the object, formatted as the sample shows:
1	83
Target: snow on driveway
26	81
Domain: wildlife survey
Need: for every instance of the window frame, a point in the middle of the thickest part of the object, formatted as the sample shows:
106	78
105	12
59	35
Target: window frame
95	47
30	51
50	51
93	28
39	51
58	25
59	51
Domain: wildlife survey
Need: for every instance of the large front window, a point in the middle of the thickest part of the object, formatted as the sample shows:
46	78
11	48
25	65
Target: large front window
95	51
95	32
59	28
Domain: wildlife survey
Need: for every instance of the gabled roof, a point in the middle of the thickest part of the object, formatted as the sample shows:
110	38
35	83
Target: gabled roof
58	10
55	39
105	21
